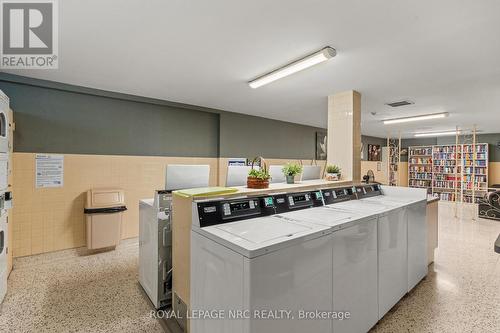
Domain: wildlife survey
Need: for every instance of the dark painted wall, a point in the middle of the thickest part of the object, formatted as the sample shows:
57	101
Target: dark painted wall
58	118
247	136
366	140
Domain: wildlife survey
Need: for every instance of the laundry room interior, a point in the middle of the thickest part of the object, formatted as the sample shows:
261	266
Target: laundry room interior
258	167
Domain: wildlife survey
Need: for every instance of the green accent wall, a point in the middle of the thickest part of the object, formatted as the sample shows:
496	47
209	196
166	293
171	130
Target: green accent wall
247	136
53	117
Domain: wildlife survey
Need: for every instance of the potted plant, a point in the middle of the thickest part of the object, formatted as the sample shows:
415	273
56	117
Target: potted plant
258	178
290	170
333	172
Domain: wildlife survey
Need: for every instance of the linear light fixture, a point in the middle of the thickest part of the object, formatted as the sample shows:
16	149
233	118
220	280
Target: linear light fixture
416	118
313	59
447	133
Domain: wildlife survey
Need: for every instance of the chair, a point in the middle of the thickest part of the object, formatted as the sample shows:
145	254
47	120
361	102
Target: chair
277	175
182	176
237	175
310	172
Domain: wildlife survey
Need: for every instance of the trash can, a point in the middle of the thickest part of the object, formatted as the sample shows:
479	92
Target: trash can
104	209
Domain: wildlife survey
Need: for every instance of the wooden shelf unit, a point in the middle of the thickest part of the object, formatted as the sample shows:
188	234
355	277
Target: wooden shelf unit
452	172
459	172
420	167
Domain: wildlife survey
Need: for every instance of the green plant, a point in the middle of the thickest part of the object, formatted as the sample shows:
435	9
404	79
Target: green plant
291	169
332	169
262	174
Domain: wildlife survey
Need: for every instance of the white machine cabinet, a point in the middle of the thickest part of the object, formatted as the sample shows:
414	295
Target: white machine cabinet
355	276
417	243
392	259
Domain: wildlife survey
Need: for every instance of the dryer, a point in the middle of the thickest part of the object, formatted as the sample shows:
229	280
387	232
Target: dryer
244	257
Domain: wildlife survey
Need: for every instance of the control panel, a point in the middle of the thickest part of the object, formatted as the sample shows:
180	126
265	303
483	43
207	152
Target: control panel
366	191
216	212
338	195
224	211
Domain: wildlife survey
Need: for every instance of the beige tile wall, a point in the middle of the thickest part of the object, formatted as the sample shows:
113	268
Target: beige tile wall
52	219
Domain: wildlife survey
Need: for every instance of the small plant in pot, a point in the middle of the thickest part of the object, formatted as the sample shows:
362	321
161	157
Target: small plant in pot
290	170
258	178
332	172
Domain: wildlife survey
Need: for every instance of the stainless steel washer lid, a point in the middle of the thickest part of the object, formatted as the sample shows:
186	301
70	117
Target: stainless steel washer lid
258	236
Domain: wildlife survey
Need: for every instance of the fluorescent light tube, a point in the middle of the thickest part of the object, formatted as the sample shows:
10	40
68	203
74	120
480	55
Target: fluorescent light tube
294	67
447	133
416	118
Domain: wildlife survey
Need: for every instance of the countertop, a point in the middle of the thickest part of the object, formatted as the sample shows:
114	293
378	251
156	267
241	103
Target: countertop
307	185
432	199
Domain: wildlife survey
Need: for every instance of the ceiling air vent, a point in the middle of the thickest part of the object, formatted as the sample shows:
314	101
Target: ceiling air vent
400	103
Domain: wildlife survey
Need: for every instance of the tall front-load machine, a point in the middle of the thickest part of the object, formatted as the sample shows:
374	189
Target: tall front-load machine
155	248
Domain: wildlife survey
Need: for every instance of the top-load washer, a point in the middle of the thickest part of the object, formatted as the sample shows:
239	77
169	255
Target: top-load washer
243	257
354	259
392	245
415	203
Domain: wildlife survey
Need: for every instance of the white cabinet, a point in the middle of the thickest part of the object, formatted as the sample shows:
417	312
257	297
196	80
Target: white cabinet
355	276
417	243
392	259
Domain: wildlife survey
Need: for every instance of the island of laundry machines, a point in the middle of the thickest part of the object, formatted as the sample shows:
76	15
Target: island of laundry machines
330	259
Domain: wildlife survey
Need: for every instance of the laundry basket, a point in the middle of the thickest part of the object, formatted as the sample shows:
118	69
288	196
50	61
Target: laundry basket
104	209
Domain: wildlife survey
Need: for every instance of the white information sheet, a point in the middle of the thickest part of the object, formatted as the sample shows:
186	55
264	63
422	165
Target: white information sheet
49	171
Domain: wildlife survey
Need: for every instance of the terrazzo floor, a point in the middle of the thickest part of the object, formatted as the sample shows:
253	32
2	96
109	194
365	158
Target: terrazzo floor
462	291
70	291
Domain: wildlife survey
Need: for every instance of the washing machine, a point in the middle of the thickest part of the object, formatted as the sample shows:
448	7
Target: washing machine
244	257
354	265
415	203
3	254
392	246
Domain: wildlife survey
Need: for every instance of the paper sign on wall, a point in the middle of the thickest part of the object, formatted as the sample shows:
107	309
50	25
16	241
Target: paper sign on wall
49	170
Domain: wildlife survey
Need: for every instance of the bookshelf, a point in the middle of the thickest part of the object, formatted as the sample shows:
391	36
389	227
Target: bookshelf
420	167
455	172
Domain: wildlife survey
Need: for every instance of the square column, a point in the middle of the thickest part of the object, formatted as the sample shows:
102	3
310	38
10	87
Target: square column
344	133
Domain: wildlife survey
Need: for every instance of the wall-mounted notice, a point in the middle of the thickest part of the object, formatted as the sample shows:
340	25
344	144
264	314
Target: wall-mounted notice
49	171
237	161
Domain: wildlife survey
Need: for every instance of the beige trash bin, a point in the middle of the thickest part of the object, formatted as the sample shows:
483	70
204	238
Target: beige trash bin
104	209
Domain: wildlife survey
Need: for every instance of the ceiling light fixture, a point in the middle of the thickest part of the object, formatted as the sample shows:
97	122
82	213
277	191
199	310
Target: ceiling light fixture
416	118
294	67
447	133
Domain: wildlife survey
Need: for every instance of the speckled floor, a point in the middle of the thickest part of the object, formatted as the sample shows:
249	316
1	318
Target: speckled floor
70	292
462	291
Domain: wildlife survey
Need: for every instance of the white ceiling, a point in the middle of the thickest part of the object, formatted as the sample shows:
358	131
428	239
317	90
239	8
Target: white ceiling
443	55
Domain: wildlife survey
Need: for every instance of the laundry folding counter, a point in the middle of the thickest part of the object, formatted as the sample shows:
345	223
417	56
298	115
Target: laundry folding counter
286	259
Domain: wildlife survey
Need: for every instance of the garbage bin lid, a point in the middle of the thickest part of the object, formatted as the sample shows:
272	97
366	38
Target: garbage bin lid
104	198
